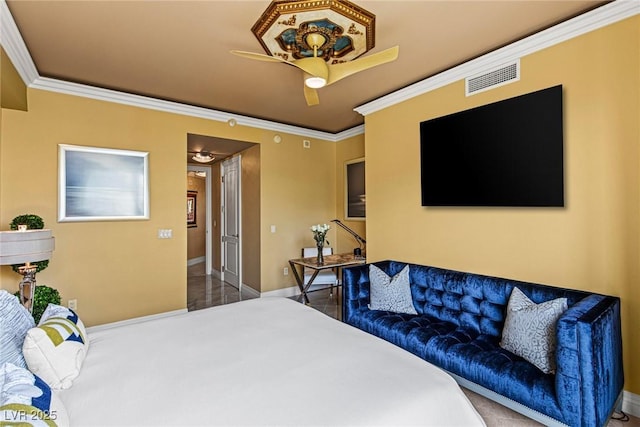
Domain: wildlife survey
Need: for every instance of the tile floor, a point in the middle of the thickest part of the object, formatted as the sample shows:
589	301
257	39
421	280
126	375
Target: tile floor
205	291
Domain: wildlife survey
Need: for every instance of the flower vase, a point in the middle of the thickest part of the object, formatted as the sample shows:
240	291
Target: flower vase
320	256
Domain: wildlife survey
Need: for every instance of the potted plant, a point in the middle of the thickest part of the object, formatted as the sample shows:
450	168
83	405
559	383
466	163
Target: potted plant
33	222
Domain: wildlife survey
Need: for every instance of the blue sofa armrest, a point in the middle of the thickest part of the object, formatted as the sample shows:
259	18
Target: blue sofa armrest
356	293
589	377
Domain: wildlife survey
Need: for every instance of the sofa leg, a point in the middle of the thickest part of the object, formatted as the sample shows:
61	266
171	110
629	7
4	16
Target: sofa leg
618	414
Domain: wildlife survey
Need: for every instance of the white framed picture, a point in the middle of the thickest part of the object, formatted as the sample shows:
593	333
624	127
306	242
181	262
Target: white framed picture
102	184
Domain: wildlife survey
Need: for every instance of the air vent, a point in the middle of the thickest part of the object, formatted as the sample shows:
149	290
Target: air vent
499	76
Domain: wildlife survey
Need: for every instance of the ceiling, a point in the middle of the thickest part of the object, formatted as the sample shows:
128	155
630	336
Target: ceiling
179	50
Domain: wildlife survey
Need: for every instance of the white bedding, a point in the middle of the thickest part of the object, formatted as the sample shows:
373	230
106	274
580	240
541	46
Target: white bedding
268	361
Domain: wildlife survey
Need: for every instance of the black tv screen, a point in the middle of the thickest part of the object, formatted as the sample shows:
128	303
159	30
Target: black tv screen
509	153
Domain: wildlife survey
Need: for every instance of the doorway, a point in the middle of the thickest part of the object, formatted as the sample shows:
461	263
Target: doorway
236	260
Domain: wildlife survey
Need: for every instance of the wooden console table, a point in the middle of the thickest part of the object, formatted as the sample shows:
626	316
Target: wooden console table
336	261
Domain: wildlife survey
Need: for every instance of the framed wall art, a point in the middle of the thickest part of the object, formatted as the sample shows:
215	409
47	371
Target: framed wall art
102	184
355	207
192	209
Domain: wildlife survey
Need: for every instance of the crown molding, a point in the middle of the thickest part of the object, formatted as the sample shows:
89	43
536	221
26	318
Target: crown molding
589	21
108	95
13	44
358	130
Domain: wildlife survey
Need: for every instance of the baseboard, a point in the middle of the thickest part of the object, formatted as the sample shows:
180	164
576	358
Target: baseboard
284	292
193	261
292	291
631	403
135	320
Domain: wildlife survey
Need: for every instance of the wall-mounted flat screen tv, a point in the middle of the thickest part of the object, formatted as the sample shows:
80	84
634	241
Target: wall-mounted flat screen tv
508	153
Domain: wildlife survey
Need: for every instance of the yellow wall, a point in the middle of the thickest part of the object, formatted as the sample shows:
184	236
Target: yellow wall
14	92
116	270
196	235
120	269
13	95
251	217
348	149
592	244
312	200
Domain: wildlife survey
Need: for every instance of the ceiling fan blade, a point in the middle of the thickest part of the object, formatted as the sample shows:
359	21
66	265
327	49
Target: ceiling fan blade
340	71
259	56
315	66
311	95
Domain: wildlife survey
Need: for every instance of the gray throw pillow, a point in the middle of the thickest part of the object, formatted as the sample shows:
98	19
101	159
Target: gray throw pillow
530	329
390	293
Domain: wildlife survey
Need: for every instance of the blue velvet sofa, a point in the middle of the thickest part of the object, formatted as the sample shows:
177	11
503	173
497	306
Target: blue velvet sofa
459	325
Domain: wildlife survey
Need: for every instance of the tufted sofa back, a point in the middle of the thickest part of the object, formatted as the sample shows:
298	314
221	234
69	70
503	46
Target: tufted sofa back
469	300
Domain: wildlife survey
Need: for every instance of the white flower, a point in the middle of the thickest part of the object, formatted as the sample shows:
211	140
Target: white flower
319	232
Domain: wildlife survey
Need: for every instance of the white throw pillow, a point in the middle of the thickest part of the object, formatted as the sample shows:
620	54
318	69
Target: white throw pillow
390	293
15	322
530	329
56	349
28	400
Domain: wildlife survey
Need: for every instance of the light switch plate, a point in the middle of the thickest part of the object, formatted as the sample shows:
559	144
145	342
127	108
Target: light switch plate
165	233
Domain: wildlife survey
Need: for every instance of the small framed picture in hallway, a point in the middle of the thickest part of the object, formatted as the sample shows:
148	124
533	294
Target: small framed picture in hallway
192	202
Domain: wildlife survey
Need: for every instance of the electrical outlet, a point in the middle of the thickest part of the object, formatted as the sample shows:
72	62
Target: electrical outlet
72	304
306	143
285	271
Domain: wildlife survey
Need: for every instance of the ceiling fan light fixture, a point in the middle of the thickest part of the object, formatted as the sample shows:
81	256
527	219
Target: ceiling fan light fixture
203	157
315	82
324	39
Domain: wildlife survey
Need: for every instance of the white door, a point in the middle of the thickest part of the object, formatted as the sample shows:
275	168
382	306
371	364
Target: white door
231	225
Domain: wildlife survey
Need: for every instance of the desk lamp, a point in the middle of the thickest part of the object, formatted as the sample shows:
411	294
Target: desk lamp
26	246
357	252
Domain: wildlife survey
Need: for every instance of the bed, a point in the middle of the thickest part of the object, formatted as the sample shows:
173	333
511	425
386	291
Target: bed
268	361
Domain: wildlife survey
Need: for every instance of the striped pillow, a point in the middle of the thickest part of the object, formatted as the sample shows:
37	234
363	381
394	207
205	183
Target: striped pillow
56	349
15	322
26	400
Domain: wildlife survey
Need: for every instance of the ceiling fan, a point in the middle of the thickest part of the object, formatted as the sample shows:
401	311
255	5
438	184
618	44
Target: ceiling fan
321	38
317	73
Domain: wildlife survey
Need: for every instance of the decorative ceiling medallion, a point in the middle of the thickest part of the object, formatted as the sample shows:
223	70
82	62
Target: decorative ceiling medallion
347	31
